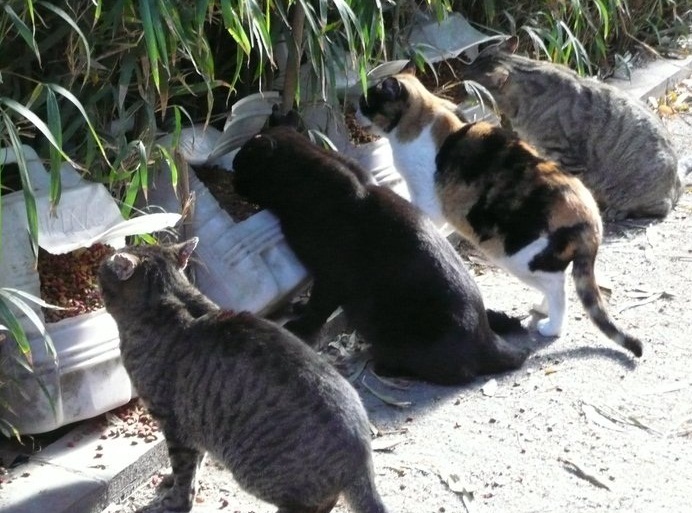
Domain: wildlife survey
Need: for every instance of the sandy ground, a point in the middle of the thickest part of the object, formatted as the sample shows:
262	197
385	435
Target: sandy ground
582	427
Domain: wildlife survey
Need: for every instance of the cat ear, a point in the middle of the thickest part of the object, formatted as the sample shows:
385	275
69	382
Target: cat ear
275	118
409	69
185	251
291	118
391	88
510	45
123	265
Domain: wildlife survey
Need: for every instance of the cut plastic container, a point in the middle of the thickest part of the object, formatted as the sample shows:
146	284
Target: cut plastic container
83	379
85	376
244	265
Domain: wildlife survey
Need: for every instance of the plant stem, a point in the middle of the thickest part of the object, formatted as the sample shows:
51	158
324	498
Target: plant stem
295	51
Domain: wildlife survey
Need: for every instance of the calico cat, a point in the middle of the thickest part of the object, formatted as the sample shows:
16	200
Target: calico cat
400	283
610	140
291	430
520	209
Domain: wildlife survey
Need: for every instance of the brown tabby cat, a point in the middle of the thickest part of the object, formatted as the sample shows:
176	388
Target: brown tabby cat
291	430
593	130
520	209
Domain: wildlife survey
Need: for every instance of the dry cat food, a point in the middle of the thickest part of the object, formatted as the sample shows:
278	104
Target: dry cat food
220	184
69	281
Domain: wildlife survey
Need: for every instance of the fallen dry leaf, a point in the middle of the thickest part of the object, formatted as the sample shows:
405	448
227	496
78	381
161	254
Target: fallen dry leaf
384	397
458	486
383	444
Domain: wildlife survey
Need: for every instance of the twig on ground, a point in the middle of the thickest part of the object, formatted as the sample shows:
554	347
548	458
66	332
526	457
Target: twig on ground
575	469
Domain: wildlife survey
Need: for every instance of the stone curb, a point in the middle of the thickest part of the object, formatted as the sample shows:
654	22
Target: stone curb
655	79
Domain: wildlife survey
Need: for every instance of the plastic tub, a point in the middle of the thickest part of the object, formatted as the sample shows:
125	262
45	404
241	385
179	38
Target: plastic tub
85	376
243	265
84	379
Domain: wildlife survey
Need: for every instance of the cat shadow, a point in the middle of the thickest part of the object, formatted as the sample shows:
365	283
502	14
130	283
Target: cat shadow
584	352
613	230
398	401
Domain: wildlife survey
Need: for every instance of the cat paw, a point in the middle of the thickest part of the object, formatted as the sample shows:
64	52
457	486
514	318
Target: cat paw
158	507
167	505
167	482
547	328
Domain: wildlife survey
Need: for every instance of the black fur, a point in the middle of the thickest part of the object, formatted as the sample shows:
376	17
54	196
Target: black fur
400	282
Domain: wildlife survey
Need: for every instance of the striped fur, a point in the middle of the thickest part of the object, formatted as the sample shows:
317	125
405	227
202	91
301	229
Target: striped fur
291	430
612	141
521	210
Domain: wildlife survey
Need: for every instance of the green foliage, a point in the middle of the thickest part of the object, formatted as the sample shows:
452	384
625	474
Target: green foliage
10	328
95	83
98	80
586	35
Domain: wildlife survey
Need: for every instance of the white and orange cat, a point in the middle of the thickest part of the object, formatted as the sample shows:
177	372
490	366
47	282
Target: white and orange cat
526	214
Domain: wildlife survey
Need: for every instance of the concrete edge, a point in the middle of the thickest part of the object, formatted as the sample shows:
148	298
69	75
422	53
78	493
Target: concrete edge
656	78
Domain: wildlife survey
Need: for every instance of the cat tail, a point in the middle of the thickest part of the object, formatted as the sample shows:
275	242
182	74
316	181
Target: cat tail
504	324
362	496
498	354
590	296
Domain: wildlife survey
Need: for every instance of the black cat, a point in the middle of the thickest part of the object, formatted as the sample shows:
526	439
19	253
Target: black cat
401	283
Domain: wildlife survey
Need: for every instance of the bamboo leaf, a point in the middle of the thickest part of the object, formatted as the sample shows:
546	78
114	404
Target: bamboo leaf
15	328
28	192
137	179
55	126
72	23
172	165
15	296
37	122
150	39
25	32
73	99
124	78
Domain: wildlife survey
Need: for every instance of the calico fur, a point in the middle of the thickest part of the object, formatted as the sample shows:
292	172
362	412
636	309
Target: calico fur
291	430
521	210
610	140
401	284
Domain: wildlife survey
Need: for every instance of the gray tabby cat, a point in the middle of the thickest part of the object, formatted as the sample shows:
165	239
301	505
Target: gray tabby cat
610	140
291	430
